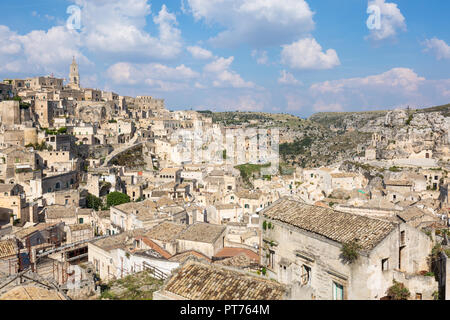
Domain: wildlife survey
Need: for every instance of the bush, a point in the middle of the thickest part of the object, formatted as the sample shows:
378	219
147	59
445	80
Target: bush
349	251
264	271
116	198
92	202
398	291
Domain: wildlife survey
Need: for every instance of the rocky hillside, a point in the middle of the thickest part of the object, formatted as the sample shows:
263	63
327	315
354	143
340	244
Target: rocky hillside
372	121
327	138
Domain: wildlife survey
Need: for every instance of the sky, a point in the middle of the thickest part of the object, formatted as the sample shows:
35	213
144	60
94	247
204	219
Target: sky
281	56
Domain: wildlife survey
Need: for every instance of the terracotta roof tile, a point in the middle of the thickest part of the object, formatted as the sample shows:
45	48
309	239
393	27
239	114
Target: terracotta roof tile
200	281
335	225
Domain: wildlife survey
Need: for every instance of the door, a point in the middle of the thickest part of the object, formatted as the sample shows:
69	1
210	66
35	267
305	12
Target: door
338	291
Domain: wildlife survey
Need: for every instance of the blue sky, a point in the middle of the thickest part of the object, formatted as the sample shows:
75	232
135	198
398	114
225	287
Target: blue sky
294	56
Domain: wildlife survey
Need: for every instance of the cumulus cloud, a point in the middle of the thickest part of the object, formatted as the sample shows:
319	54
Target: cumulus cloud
287	78
200	53
222	76
307	54
39	51
243	102
438	47
157	76
246	20
403	79
117	27
396	87
392	21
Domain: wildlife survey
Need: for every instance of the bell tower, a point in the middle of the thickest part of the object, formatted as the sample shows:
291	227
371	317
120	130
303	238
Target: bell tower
74	76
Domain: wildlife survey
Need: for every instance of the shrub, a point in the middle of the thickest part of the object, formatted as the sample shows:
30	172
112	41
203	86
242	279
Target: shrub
264	271
92	202
116	198
398	291
349	251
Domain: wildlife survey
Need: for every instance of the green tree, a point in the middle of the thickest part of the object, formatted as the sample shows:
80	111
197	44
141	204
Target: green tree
62	130
116	198
93	202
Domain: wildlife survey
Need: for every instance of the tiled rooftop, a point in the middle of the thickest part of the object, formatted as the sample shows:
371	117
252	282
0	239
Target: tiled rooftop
7	248
202	232
32	293
121	240
130	207
166	231
58	212
233	252
24	232
182	257
201	281
335	225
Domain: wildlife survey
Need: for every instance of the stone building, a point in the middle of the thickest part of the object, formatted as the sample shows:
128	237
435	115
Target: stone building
74	76
6	91
304	248
202	237
12	199
10	112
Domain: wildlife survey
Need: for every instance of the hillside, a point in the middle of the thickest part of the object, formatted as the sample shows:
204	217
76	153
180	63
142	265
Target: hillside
360	120
329	137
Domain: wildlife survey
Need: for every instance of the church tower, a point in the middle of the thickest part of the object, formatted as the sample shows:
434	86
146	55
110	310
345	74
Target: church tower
74	77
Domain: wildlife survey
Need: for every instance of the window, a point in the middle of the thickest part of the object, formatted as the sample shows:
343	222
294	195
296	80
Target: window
306	276
271	258
402	238
385	264
418	296
81	221
338	291
247	206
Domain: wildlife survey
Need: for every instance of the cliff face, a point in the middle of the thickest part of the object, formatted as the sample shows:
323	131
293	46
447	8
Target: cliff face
328	138
399	133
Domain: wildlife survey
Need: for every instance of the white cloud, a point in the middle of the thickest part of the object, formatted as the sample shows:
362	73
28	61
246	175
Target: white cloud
287	78
222	76
39	51
117	27
438	47
394	80
242	103
392	21
157	76
307	54
390	89
260	56
200	53
246	20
